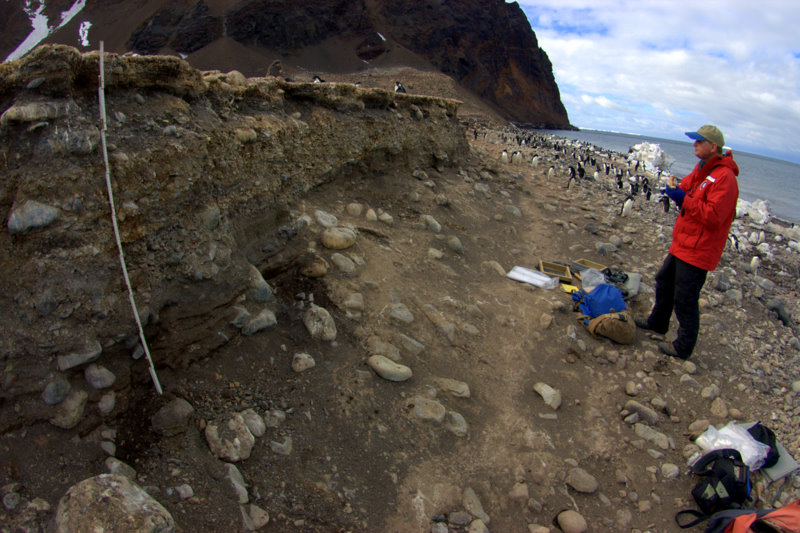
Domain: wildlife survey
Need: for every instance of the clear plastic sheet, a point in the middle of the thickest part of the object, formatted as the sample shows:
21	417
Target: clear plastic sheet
736	437
591	278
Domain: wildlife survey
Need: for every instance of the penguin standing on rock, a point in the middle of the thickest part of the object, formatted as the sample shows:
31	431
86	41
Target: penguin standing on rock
504	156
317	79
398	87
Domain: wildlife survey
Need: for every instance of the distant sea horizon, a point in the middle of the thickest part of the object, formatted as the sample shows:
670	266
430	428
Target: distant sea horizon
773	180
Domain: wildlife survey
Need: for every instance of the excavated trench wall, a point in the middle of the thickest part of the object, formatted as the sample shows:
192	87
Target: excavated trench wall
208	169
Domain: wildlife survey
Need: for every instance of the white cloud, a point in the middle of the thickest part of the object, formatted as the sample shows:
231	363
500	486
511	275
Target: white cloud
675	66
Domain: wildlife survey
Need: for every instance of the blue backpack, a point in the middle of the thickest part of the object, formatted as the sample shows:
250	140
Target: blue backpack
604	298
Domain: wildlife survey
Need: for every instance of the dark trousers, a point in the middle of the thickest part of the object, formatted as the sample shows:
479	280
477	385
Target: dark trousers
678	286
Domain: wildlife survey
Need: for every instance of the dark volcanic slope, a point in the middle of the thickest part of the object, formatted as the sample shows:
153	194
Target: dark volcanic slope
487	46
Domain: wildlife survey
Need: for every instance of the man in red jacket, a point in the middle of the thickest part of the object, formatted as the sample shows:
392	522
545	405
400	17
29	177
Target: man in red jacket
707	201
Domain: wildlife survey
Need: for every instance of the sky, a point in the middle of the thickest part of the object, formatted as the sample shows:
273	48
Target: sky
664	67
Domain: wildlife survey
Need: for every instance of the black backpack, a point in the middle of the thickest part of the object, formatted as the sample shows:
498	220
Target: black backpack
725	483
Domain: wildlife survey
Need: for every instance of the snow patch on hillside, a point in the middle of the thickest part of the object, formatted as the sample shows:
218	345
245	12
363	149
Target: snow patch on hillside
41	25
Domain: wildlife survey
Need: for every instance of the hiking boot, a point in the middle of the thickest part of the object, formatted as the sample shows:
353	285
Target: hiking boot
642	323
669	349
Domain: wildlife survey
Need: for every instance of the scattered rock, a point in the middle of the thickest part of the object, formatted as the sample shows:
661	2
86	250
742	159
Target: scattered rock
473	505
338	238
582	481
110	502
229	438
89	353
173	418
388	369
571	522
282	448
302	362
31	215
70	412
99	377
319	323
429	410
457	388
551	396
456	424
236	480
255	423
56	391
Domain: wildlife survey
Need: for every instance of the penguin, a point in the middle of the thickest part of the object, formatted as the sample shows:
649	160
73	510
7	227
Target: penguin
581	171
571	172
734	240
755	262
535	161
516	157
398	87
504	156
317	79
627	206
550	172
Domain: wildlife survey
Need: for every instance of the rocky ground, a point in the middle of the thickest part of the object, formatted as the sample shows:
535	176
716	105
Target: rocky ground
393	378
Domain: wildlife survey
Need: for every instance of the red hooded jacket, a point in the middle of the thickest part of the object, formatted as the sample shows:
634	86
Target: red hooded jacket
701	230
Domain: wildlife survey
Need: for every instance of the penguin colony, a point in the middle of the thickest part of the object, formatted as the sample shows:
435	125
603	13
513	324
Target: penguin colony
577	163
581	165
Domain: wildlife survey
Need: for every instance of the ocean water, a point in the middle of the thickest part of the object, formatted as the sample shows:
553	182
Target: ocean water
760	178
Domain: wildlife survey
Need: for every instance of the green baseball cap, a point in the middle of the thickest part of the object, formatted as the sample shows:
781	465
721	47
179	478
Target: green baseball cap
708	133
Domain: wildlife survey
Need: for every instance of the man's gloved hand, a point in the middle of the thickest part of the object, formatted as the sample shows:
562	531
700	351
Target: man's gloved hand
676	194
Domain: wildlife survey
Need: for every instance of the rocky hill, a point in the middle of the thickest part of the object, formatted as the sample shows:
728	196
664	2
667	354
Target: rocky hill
487	46
320	271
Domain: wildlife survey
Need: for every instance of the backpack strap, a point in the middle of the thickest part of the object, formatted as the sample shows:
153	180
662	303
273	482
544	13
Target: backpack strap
700	467
697	518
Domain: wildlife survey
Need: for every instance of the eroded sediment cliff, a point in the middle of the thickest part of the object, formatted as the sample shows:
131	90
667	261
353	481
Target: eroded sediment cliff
206	169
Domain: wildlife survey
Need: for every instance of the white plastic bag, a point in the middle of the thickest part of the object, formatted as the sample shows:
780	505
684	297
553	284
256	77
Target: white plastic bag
533	277
736	437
